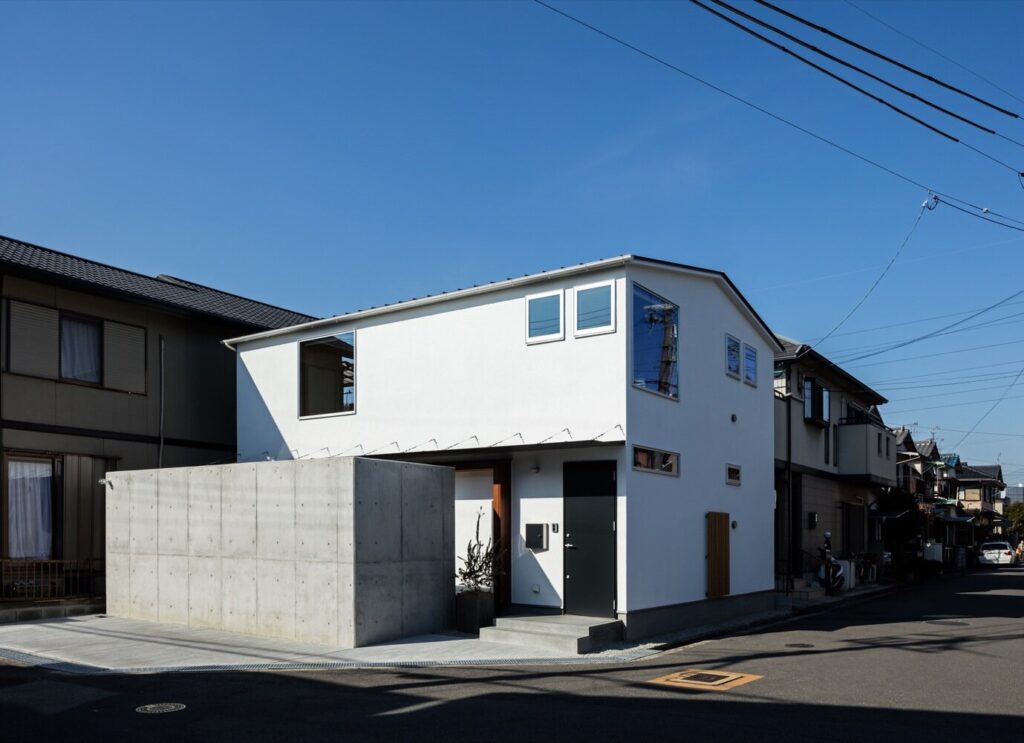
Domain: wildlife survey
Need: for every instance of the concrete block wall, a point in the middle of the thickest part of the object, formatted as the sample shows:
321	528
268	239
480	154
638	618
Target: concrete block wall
342	552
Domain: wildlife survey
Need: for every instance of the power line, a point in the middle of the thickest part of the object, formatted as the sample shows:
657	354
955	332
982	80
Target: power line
927	205
989	411
885	58
939	353
765	111
949	371
954	405
933	333
930	395
934	51
982	217
863	91
855	68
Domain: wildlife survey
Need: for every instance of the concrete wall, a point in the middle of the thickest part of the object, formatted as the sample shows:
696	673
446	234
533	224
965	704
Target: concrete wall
343	552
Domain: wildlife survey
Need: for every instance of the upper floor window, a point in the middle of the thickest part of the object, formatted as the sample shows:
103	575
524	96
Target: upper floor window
595	309
544	317
816	402
328	375
655	343
732	356
750	365
655	460
81	349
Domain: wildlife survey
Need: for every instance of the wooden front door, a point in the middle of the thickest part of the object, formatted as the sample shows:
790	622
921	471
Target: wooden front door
718	554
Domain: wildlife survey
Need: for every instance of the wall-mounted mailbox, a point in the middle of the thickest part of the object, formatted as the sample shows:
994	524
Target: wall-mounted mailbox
536	536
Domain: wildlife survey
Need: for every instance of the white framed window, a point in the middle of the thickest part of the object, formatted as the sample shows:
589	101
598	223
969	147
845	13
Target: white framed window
733	474
655	460
545	317
750	365
732	356
595	309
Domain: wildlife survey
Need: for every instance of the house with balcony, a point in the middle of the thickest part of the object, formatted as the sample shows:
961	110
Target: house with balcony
979	488
100	369
833	457
612	423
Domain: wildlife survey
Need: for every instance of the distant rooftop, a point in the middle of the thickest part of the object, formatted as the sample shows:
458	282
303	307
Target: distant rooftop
37	261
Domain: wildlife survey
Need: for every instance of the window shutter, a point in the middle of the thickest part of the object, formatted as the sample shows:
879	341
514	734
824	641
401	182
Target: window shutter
34	340
124	357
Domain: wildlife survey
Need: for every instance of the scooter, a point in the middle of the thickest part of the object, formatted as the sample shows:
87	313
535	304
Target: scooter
830	574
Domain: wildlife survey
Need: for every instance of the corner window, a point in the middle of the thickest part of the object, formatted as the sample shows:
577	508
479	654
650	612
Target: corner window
655	460
655	342
544	318
81	349
595	309
327	375
732	474
750	365
732	357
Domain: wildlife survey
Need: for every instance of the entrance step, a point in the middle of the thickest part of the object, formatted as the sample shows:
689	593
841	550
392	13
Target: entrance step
566	633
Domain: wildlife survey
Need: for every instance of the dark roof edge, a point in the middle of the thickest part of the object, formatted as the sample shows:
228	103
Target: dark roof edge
804	351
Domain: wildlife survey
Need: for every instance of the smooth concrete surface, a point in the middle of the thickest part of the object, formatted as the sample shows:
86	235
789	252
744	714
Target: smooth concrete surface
678	618
334	551
100	643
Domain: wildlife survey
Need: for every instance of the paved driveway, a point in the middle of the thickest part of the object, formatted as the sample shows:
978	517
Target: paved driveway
941	661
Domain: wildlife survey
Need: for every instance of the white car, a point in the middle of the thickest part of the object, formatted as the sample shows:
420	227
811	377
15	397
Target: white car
996	553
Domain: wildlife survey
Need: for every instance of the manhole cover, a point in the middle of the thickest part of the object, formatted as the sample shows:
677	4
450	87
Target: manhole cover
799	645
159	709
947	622
693	678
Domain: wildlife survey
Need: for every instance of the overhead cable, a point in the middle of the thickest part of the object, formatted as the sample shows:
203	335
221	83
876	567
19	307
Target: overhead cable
781	119
885	58
856	68
934	51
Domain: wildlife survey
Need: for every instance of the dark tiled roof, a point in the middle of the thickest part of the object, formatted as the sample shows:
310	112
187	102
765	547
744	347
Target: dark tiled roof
166	290
982	472
793	349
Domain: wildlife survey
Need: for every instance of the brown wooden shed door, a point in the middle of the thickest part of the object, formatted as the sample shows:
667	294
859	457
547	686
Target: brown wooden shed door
718	554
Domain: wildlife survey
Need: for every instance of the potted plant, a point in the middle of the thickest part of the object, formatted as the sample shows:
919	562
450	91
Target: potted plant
474	595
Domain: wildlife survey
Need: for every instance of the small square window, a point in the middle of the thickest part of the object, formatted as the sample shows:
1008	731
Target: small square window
733	474
595	309
544	317
732	356
655	460
750	365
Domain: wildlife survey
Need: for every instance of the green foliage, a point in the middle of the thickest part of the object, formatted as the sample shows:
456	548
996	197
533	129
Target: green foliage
1015	513
481	563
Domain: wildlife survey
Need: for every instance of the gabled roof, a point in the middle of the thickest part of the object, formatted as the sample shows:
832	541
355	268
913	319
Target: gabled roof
35	261
928	449
793	349
903	438
622	260
982	472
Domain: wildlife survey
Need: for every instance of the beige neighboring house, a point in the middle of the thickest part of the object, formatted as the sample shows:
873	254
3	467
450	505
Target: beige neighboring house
102	369
833	456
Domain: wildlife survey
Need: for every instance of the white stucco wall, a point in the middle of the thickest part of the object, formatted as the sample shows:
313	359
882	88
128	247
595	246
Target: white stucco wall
665	515
458	374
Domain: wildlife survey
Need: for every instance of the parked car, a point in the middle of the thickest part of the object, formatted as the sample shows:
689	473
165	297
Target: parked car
996	553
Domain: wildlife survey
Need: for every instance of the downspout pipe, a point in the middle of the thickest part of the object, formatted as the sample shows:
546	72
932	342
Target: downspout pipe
160	450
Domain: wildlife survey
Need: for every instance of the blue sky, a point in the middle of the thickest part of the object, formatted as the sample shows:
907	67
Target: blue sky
332	156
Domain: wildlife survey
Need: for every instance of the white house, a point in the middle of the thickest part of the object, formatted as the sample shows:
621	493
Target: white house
612	420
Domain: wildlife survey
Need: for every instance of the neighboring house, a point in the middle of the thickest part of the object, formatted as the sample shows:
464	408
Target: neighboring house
612	422
102	369
910	478
833	457
978	492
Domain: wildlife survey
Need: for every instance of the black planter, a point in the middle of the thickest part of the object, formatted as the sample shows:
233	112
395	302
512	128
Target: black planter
473	610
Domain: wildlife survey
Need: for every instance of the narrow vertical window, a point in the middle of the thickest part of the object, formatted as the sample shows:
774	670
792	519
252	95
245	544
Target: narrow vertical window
544	318
879	444
81	350
750	365
595	309
328	375
888	451
732	358
835	445
828	443
655	343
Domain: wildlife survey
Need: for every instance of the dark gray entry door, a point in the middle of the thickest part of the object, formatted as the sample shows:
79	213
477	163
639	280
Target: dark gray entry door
588	490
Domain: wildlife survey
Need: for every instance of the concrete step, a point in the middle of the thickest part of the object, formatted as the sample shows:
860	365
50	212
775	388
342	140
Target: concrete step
566	633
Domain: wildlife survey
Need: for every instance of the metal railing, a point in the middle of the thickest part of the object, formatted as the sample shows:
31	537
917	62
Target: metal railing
38	580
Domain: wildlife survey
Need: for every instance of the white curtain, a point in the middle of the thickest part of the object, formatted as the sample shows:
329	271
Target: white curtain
79	350
30	509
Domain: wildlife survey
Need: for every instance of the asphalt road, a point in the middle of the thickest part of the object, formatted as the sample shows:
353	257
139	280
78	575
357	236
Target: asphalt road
940	661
